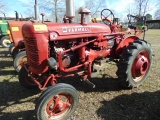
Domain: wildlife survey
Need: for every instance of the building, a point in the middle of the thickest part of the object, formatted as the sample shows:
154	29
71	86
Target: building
153	24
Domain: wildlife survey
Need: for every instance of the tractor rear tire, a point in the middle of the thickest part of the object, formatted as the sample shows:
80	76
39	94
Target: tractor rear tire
19	60
5	41
58	102
134	64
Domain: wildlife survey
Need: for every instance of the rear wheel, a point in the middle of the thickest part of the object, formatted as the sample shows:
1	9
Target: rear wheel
58	102
5	41
19	60
135	63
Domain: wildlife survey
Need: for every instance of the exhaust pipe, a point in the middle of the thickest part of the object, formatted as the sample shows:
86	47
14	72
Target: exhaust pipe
17	15
4	16
70	9
36	10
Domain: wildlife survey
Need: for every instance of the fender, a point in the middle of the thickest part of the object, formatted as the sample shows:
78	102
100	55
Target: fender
124	43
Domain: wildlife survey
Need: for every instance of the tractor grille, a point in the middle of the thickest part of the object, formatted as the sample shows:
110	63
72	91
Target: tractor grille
37	54
32	53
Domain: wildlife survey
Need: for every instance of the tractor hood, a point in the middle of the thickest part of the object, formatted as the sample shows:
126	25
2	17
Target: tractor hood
64	31
61	31
16	30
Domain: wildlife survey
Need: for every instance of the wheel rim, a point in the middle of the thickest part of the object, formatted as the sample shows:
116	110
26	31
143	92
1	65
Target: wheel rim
140	66
6	42
59	106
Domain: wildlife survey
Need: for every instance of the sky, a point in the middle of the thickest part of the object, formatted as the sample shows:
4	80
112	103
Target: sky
118	5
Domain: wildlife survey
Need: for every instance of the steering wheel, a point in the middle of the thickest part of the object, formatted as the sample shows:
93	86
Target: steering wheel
107	16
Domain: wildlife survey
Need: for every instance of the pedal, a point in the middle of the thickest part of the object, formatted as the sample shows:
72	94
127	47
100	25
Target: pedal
90	83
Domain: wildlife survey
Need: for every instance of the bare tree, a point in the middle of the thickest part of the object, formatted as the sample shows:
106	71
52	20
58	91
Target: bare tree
95	6
157	12
139	7
142	7
54	7
2	6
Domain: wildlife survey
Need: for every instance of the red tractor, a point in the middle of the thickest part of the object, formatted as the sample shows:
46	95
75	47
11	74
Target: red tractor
60	50
17	47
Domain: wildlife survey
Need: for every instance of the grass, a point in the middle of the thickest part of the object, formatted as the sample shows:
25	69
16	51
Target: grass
106	102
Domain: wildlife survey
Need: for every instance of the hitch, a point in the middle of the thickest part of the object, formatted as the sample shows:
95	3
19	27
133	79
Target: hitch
89	82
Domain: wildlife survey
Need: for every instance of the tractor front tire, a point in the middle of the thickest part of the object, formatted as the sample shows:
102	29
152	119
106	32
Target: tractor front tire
134	64
58	102
11	48
19	60
25	79
5	41
15	52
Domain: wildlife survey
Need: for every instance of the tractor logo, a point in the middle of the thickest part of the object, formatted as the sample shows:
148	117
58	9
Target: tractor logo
75	29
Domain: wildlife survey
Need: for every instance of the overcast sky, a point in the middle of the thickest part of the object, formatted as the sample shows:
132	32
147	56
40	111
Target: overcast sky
118	5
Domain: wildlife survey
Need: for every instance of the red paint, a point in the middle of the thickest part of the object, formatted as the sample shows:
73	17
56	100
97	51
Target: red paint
124	43
140	65
16	31
91	42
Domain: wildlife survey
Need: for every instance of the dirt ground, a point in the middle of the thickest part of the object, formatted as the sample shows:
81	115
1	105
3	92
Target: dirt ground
105	102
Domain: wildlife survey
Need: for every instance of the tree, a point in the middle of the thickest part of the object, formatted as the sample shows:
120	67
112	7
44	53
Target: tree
2	6
54	7
54	10
95	6
142	6
157	12
148	17
139	7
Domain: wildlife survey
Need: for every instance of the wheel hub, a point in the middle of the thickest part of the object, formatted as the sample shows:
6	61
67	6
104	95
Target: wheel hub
57	106
140	65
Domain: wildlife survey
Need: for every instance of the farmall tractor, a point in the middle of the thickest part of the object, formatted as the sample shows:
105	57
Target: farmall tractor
61	50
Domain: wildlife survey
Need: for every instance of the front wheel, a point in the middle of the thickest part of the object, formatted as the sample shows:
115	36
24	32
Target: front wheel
135	63
58	102
5	41
20	59
25	79
11	48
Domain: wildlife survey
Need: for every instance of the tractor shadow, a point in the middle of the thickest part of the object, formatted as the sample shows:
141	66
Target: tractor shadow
4	52
101	84
22	115
135	106
8	72
14	98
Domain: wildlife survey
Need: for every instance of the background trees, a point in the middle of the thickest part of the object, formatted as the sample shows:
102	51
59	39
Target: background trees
157	12
3	7
55	9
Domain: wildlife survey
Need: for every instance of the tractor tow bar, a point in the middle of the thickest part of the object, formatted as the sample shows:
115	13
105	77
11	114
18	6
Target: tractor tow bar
89	82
